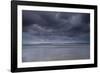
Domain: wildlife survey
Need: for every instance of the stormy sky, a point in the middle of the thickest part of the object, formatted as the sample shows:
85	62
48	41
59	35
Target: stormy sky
55	27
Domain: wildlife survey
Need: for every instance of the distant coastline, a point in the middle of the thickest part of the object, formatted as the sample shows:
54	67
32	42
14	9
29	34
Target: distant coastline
58	44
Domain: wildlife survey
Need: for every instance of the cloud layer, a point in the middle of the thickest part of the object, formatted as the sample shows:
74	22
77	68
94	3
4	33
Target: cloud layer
43	26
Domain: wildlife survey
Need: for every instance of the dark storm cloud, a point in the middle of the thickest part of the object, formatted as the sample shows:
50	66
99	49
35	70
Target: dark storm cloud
61	25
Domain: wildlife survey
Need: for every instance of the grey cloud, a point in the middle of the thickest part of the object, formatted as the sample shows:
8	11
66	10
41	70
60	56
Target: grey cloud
56	25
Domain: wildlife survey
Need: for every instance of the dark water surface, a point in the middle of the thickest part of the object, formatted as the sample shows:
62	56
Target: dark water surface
47	52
